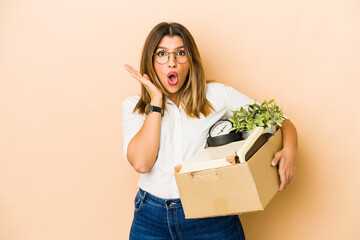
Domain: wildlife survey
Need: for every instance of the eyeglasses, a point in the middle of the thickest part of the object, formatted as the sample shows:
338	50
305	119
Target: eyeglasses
163	57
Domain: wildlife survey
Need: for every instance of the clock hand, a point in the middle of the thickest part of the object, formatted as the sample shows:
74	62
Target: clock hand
223	129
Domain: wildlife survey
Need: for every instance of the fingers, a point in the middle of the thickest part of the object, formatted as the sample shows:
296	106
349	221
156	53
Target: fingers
286	168
130	69
283	180
289	175
146	76
155	92
135	74
276	159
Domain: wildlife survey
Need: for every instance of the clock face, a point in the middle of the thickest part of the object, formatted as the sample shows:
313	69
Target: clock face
220	128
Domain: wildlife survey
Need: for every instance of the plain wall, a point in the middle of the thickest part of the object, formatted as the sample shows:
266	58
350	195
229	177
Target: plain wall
62	81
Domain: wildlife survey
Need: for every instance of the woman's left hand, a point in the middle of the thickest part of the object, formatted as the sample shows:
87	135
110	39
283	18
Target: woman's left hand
285	159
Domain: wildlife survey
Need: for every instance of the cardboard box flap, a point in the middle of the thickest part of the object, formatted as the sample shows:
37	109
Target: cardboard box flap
265	176
215	152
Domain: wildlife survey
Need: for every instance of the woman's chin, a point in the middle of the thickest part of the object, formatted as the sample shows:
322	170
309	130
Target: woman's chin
173	89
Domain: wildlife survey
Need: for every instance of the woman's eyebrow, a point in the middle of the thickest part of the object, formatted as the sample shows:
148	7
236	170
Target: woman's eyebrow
168	49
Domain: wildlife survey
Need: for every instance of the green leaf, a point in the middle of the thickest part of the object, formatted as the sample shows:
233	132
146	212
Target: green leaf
266	114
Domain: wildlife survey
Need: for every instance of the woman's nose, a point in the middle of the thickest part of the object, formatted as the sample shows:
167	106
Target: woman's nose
172	61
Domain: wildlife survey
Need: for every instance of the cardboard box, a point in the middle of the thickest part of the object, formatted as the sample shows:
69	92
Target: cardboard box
235	189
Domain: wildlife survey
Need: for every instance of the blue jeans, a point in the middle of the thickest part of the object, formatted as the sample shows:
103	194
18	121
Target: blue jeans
164	219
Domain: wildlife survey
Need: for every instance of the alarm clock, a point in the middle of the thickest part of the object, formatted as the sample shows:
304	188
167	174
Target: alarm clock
220	134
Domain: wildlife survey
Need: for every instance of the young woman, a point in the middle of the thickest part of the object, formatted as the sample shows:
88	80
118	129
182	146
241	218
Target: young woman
169	122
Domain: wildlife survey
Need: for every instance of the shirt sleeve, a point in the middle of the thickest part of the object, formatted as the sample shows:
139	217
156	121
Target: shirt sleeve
131	121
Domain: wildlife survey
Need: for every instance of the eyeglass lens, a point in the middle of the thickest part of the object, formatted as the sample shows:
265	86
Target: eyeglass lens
163	57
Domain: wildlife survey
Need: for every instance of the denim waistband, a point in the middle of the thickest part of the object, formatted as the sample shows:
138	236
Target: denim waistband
145	196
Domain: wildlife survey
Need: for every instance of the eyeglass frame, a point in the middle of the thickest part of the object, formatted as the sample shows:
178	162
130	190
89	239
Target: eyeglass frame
155	54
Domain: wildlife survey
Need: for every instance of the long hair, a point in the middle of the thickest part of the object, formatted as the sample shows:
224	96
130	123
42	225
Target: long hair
193	93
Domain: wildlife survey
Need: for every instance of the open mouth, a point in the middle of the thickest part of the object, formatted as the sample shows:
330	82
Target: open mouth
172	78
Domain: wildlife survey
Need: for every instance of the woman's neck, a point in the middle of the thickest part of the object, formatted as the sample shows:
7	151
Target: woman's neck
175	99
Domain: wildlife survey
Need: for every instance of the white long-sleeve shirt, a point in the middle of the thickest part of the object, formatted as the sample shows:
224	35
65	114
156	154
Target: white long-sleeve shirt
181	137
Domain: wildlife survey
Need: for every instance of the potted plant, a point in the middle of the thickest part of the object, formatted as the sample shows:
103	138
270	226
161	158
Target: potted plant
267	115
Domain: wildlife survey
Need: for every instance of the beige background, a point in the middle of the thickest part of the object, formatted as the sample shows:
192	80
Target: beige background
62	173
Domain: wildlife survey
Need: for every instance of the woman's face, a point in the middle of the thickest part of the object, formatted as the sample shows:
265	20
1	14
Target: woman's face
172	74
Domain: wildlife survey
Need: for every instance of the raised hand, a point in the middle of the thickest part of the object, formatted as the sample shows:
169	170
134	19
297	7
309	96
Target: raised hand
155	93
141	155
